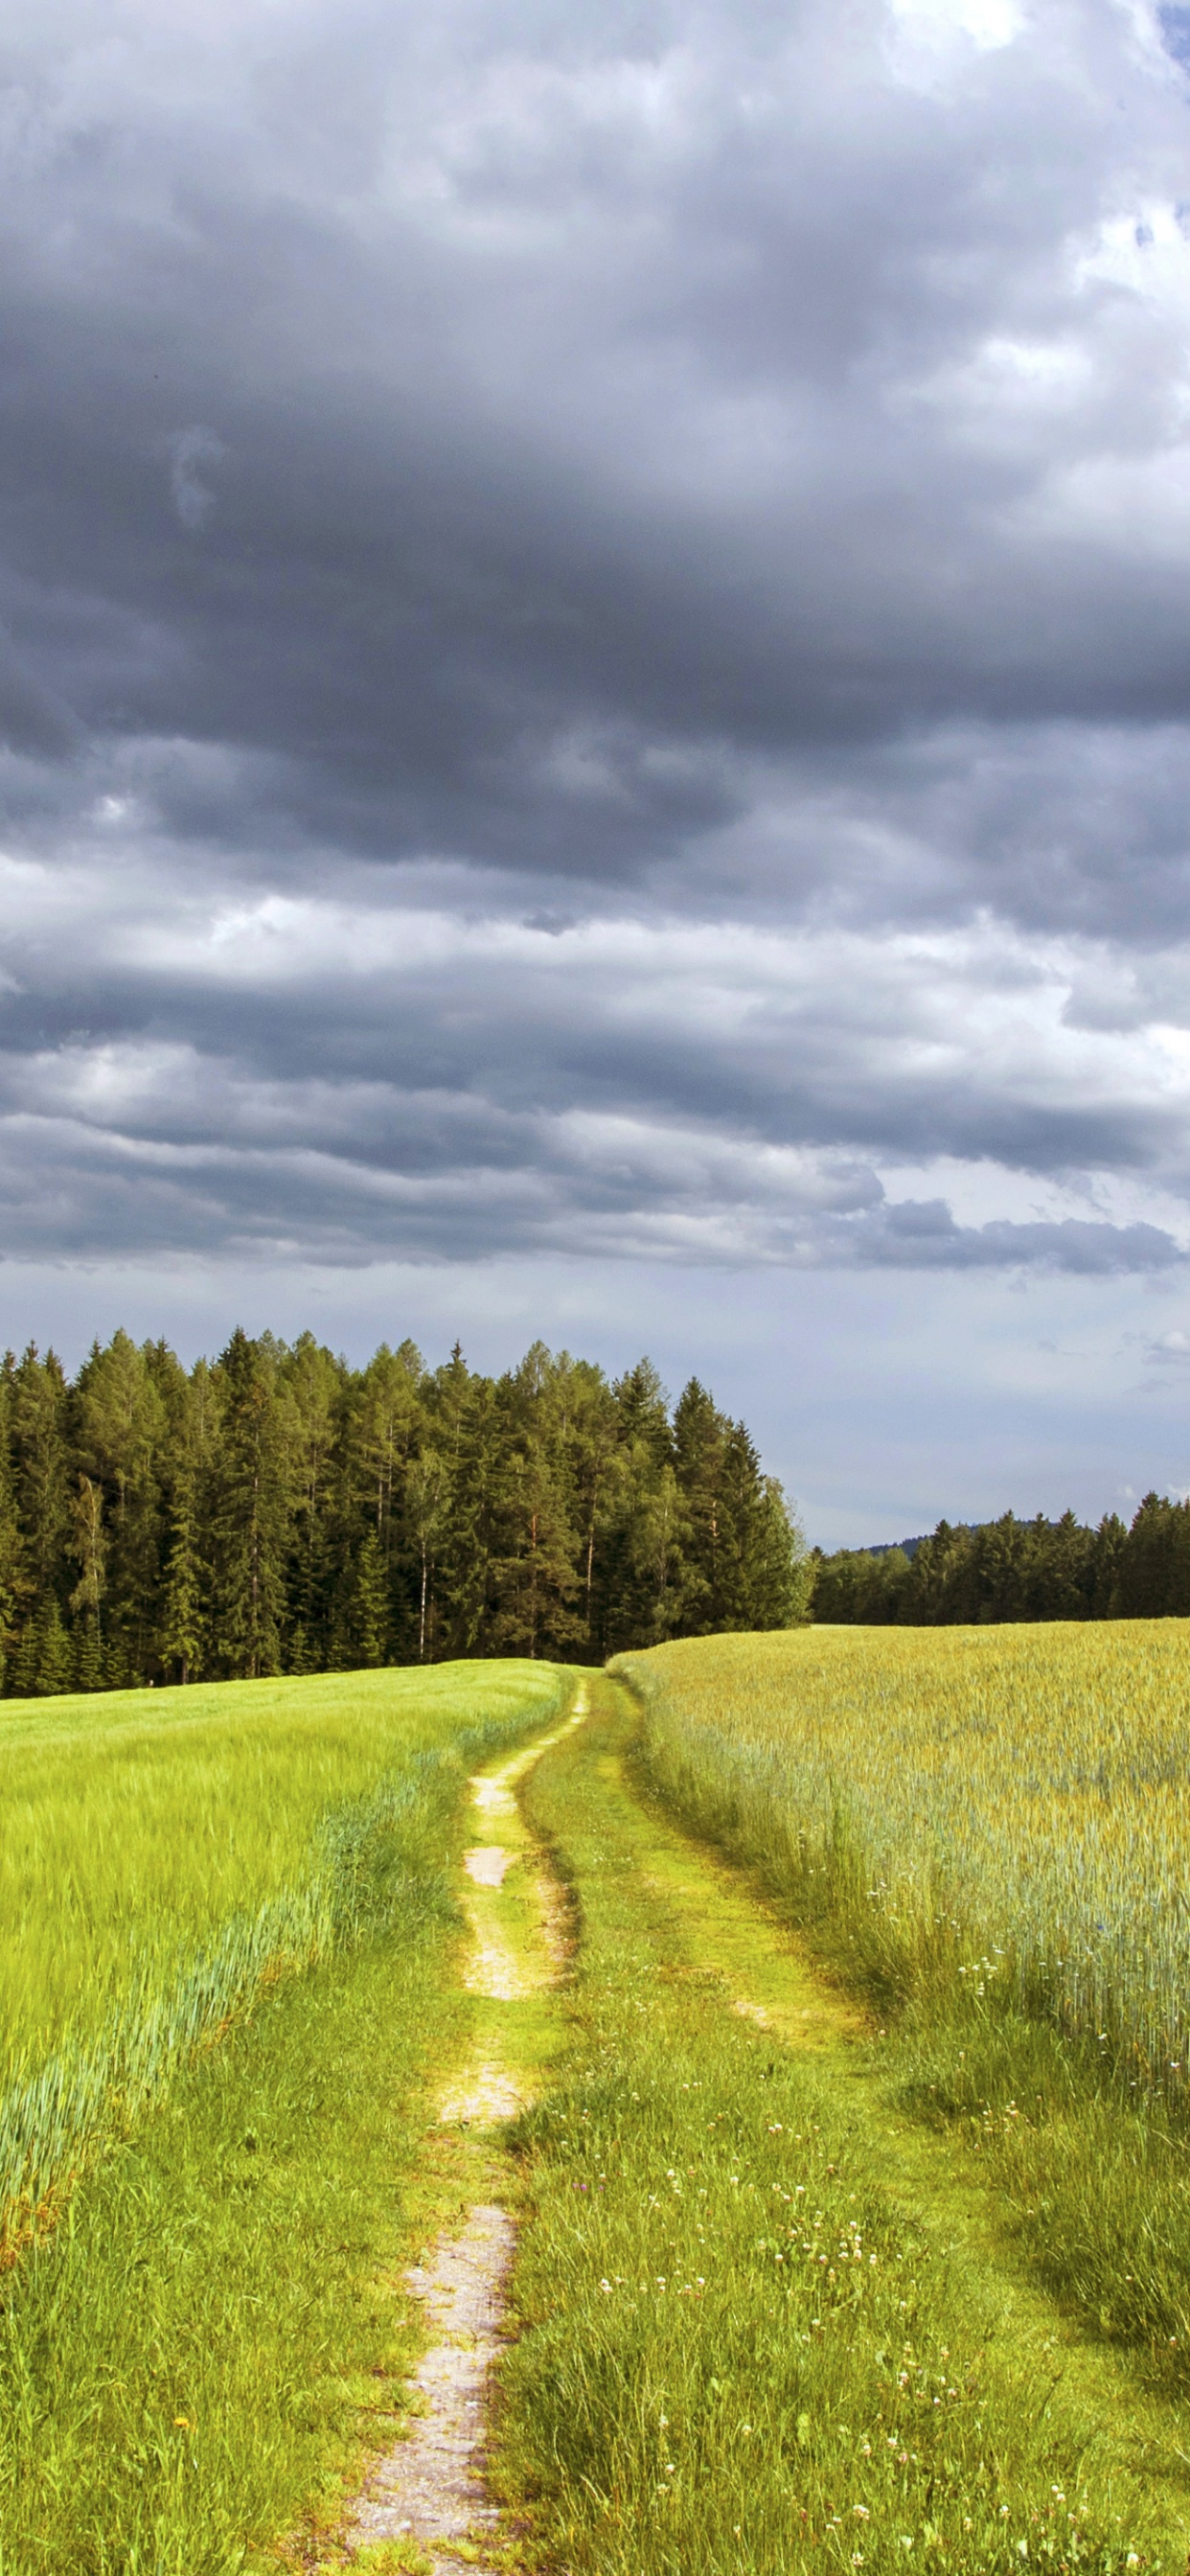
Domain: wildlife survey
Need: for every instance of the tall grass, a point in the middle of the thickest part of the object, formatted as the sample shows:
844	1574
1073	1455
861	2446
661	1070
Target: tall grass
188	2362
161	1856
987	1832
999	1812
739	2354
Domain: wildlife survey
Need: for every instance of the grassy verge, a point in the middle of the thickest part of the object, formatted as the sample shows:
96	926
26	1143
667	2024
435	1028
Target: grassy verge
184	2361
981	1834
1096	2191
740	2350
192	2358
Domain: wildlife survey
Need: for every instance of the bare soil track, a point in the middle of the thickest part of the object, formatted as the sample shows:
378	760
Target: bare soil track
429	2489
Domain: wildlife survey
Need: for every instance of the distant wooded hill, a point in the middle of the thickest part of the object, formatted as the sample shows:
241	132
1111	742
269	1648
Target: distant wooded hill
276	1511
1010	1569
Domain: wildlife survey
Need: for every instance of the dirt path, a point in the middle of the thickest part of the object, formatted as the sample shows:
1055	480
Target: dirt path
428	2491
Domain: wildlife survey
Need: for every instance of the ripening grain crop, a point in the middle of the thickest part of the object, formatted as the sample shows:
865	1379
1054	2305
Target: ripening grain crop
161	1854
992	1812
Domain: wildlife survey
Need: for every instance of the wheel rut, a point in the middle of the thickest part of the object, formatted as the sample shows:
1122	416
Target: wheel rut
721	1925
429	2490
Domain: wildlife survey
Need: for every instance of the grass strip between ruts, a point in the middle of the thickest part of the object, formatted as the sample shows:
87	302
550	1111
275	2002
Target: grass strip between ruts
739	2351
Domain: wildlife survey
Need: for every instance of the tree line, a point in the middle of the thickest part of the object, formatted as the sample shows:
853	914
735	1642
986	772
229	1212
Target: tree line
1010	1569
277	1511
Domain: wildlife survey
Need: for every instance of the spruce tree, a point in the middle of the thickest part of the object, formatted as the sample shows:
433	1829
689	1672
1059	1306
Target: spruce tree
120	1426
250	1517
183	1633
315	1391
369	1607
41	1463
427	1497
11	1546
706	1473
89	1549
282	1511
182	1621
534	1573
467	1433
44	1660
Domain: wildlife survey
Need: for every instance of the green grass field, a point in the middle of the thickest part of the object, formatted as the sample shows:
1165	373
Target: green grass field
754	2337
162	1854
984	1833
1000	1810
855	2219
227	1977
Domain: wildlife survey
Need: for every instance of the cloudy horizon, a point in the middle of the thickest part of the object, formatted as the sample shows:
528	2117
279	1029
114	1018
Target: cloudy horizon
595	691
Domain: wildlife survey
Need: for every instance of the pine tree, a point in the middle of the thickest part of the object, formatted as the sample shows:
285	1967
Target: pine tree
40	1458
182	1620
369	1608
250	1521
120	1423
89	1549
427	1494
11	1550
314	1387
45	1658
534	1573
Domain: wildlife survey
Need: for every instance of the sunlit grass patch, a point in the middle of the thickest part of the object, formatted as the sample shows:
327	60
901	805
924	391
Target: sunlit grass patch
740	2351
193	2356
202	2346
986	1835
163	1855
987	1817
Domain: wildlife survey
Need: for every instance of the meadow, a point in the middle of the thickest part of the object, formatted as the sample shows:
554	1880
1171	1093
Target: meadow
750	2340
226	1977
985	1834
853	2188
160	1857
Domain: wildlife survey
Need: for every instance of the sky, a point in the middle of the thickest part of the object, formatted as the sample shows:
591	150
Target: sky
595	708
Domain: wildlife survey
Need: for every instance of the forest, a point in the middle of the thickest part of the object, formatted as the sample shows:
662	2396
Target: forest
277	1511
1010	1569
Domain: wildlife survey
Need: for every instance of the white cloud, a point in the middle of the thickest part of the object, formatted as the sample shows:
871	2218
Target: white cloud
192	452
932	41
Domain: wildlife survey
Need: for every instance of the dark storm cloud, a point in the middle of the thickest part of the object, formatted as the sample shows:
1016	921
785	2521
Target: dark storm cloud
594	637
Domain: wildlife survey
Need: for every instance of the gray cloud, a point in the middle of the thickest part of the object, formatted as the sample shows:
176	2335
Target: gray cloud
595	643
191	452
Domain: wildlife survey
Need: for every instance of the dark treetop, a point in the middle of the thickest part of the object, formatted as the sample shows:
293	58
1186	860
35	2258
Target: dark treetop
279	1512
1011	1569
